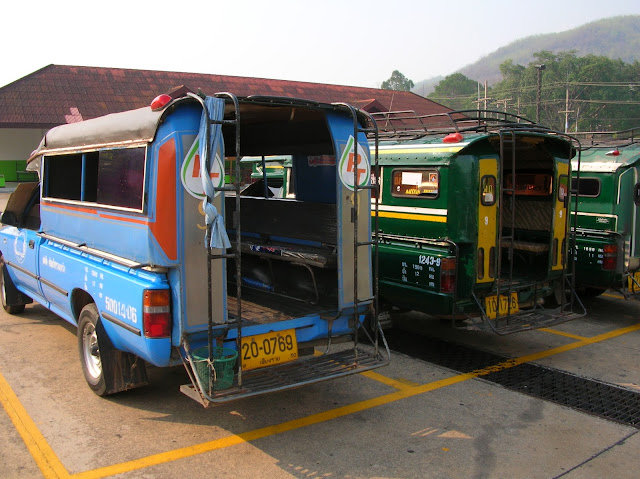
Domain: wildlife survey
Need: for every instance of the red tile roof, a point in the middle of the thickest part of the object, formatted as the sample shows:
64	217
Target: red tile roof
59	94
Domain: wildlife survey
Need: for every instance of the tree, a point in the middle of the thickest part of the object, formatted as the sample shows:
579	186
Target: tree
456	91
603	93
397	82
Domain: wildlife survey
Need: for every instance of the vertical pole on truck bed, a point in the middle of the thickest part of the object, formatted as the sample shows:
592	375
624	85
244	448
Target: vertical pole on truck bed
355	217
236	255
236	223
570	252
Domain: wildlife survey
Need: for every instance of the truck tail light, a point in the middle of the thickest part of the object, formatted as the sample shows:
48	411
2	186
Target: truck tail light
156	317
447	275
610	260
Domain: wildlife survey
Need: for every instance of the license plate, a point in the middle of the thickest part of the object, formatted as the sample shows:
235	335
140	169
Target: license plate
269	349
492	304
631	286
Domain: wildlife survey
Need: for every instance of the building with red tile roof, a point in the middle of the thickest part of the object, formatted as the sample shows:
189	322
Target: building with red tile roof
58	94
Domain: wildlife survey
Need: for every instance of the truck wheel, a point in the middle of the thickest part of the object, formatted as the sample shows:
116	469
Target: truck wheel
7	284
593	292
559	295
89	349
106	369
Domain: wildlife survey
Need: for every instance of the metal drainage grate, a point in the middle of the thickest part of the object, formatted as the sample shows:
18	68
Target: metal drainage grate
587	395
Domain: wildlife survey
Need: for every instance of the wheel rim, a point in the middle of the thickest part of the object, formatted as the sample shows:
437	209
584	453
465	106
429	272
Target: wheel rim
91	351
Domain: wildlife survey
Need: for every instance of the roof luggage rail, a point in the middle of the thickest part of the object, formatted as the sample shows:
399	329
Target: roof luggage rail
608	139
408	125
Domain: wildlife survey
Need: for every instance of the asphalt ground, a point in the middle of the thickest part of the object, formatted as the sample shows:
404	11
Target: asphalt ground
411	419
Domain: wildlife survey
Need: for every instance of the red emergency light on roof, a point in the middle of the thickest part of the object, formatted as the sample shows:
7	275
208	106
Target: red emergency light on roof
453	138
615	152
160	102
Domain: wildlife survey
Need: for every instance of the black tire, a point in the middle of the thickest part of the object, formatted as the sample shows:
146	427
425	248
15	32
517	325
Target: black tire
593	292
556	299
106	369
7	289
89	349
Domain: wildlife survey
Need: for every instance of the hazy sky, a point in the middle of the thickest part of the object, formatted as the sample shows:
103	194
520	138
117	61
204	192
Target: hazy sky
328	41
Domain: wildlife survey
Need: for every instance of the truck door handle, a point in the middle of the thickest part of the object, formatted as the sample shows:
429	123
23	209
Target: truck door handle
31	244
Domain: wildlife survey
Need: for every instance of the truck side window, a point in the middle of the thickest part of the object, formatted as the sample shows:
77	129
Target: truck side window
589	187
110	177
121	177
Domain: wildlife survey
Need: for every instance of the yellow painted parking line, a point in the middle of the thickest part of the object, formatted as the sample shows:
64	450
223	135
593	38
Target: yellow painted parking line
407	392
53	468
394	383
609	295
37	445
562	333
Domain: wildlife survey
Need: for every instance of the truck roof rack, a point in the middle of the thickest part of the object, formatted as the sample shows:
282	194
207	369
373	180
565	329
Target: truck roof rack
608	139
407	124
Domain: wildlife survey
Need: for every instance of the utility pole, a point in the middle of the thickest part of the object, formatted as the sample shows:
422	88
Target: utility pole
484	100
566	113
539	68
485	95
504	103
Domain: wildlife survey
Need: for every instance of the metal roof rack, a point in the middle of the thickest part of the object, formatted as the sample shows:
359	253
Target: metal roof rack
408	125
608	139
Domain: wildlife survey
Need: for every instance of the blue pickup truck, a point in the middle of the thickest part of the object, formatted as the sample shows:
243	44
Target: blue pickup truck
139	233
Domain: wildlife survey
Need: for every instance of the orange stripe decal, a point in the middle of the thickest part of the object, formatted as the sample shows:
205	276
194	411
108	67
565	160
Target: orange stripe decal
165	228
125	219
92	211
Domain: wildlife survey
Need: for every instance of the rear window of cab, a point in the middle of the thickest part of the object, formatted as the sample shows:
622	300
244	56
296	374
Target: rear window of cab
588	187
415	183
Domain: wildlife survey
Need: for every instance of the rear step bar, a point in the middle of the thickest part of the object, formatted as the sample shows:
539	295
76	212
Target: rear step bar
525	320
294	374
521	321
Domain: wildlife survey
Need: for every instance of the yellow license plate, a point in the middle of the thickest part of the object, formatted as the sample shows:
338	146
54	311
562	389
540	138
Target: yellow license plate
268	349
492	304
631	286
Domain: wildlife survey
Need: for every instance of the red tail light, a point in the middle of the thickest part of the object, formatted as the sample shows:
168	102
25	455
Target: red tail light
156	317
447	275
610	260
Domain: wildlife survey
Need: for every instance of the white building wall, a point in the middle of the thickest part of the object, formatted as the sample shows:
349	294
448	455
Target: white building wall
18	143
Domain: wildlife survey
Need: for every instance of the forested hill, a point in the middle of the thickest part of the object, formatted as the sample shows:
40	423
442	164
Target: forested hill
616	38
